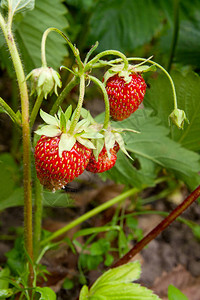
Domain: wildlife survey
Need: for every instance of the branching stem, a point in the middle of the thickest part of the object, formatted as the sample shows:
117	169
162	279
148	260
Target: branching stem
159	228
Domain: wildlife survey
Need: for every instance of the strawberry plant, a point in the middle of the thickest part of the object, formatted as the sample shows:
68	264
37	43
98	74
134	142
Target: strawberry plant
161	138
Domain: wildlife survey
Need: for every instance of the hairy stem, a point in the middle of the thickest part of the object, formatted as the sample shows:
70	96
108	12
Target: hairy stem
28	239
106	100
80	103
159	228
35	110
105	53
37	216
62	96
43	43
90	214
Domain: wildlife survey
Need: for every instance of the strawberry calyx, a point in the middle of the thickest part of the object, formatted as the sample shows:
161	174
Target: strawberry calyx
59	126
125	73
111	137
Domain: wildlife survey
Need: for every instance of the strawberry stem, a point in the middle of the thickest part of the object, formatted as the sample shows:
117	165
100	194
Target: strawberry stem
35	110
28	238
79	106
106	100
89	65
37	216
74	49
159	228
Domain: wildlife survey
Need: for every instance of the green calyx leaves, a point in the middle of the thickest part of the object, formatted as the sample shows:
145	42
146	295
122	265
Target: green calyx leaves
117	283
119	69
59	125
44	81
110	137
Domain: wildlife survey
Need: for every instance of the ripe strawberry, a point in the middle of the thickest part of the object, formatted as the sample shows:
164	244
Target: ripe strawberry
125	97
104	163
54	171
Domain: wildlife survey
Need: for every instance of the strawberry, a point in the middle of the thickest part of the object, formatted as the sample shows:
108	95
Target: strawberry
54	171
125	97
60	155
104	162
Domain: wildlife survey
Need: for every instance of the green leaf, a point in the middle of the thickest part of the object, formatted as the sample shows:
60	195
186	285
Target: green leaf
68	284
46	293
117	24
57	199
109	260
122	274
100	247
68	113
5	293
17	6
47	118
49	130
4	284
153	148
84	293
175	294
122	291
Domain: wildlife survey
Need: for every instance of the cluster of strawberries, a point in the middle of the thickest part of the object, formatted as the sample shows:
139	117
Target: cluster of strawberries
56	165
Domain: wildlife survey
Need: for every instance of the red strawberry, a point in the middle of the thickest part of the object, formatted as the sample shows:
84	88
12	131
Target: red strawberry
104	163
125	97
53	171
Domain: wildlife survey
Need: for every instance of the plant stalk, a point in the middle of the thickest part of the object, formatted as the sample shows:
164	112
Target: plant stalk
106	100
90	214
28	239
105	53
35	110
80	103
159	228
38	205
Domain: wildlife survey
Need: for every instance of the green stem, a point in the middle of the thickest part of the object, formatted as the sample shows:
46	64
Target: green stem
79	105
37	216
10	112
90	214
175	33
105	53
63	94
35	110
159	228
28	239
106	100
43	43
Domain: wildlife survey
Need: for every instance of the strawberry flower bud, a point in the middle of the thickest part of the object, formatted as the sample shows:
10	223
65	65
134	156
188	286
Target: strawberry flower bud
178	117
44	81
